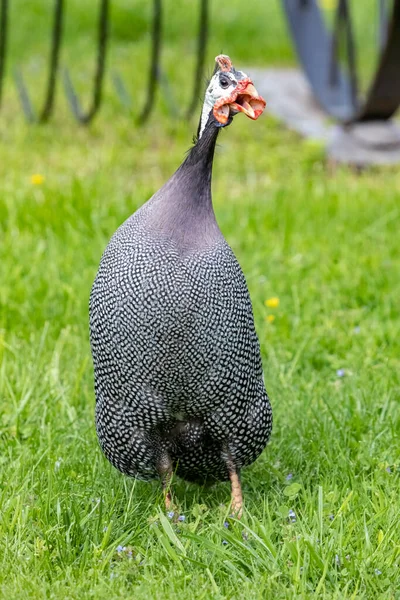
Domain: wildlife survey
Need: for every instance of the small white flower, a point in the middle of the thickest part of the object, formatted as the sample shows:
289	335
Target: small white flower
292	516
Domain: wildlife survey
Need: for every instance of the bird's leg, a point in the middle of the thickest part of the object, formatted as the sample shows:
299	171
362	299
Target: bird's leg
237	497
236	494
164	467
167	496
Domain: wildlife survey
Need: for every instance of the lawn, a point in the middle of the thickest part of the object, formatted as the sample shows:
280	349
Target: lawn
322	502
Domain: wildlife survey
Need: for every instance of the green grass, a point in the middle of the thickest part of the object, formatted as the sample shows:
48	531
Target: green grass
325	244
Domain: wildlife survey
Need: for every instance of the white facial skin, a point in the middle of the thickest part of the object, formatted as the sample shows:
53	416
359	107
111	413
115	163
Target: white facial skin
217	89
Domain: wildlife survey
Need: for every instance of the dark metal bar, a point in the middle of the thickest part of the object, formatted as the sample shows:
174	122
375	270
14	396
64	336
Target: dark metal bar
3	41
54	61
80	115
26	102
155	74
335	89
155	61
313	45
201	56
383	98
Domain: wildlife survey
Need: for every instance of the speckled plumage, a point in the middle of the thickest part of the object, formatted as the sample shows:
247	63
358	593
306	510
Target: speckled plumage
177	362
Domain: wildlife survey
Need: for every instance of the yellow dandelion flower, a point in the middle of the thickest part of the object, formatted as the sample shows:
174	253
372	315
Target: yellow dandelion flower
37	179
270	318
272	302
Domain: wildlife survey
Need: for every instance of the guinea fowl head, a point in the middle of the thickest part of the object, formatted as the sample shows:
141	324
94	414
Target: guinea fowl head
228	93
182	208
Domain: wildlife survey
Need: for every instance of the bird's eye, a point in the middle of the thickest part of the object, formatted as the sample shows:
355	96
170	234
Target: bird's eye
224	82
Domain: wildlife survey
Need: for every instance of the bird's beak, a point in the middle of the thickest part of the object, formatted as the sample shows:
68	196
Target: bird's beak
244	98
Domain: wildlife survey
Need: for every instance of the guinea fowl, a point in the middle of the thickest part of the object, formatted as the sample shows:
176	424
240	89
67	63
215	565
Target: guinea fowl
178	375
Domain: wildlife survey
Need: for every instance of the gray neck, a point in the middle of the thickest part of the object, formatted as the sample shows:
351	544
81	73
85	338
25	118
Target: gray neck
194	174
183	209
